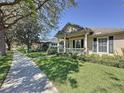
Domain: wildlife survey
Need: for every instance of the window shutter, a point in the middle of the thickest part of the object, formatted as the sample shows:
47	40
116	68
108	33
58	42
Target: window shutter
111	49
95	45
82	43
73	43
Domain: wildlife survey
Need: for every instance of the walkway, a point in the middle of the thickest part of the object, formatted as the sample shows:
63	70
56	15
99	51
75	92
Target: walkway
25	77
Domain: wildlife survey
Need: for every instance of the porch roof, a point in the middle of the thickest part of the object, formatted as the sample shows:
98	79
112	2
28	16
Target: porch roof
103	31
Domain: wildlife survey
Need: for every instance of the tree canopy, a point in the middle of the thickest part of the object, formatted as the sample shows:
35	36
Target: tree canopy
14	10
47	12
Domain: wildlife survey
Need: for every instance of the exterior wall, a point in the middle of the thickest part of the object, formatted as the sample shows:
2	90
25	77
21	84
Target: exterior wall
70	43
119	44
90	42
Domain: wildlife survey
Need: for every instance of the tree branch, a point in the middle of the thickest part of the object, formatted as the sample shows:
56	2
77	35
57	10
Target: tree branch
42	4
15	21
10	3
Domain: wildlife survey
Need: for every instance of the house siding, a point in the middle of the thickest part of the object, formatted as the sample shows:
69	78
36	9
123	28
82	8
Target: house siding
90	42
119	44
70	43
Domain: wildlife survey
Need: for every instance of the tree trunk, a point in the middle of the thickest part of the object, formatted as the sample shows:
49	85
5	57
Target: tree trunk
2	40
29	46
9	46
8	42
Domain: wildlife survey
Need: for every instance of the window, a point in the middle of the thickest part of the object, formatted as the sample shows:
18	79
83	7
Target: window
95	45
78	43
102	44
82	43
111	44
73	43
67	44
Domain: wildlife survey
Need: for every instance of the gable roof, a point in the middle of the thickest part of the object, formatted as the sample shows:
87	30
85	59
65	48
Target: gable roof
73	28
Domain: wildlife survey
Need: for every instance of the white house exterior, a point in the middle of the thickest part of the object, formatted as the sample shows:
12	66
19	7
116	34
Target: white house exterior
75	39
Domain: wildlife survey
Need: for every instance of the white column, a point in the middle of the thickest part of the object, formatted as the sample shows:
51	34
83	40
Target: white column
85	43
64	44
58	46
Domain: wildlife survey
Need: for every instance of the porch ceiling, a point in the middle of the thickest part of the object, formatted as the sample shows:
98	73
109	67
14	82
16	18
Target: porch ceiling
75	35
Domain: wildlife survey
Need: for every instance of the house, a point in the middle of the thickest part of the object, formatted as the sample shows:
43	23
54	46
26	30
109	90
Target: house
45	44
76	39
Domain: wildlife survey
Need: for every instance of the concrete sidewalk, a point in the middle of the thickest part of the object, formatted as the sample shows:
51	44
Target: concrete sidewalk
25	77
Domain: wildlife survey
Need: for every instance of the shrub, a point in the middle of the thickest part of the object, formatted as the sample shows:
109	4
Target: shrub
45	47
75	56
90	57
52	51
22	50
121	62
115	61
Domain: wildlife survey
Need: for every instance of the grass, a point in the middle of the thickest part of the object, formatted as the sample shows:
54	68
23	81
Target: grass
36	54
4	66
73	76
115	61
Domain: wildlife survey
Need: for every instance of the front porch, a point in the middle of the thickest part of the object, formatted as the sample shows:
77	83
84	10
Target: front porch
77	44
75	50
72	50
73	39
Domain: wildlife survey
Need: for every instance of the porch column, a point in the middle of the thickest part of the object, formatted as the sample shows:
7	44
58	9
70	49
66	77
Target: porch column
58	47
85	43
65	44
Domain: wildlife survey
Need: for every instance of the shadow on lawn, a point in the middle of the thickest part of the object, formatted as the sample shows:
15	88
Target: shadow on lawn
4	66
35	54
117	80
116	84
100	90
59	69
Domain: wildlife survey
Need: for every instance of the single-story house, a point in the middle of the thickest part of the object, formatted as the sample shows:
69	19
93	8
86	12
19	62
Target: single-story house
76	39
44	44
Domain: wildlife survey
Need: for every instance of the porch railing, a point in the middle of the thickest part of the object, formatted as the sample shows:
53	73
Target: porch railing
75	50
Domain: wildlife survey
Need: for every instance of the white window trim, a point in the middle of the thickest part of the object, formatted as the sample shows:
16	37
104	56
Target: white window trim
76	41
98	46
107	45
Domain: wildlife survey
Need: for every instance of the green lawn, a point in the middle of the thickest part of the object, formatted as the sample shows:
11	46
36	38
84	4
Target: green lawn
35	54
5	63
72	76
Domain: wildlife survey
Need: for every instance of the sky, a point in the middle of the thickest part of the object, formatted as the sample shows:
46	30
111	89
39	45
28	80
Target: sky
94	14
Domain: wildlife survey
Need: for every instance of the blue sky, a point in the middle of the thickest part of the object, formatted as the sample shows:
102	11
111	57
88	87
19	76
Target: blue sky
94	13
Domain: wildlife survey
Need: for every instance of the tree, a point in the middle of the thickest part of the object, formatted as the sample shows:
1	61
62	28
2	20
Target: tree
11	11
27	32
9	38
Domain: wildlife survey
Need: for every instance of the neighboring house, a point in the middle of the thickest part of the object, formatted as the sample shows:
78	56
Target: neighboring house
53	42
44	44
77	39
